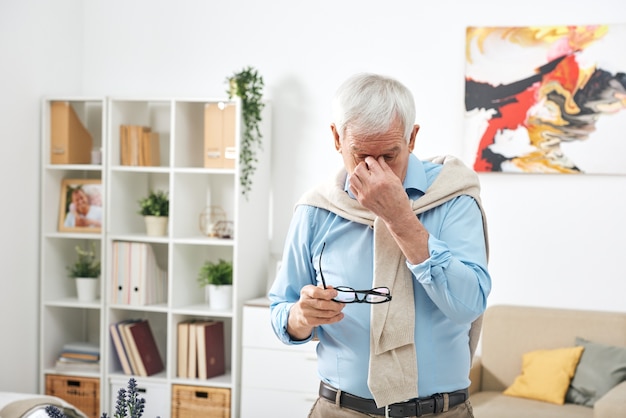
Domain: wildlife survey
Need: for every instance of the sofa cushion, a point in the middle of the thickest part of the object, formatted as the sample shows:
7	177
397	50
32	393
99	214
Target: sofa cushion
496	405
601	367
546	374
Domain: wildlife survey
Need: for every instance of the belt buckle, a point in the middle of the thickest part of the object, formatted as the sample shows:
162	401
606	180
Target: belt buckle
387	407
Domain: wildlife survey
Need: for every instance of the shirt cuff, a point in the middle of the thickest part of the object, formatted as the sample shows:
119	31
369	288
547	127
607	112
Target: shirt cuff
439	257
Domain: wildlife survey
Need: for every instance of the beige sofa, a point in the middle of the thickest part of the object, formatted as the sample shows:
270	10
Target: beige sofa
510	331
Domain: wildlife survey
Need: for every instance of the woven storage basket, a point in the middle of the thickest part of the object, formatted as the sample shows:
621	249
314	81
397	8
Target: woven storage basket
82	392
200	402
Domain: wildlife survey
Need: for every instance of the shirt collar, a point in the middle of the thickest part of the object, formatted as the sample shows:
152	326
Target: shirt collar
414	183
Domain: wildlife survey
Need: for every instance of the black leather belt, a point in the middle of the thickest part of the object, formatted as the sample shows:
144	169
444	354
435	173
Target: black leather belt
412	408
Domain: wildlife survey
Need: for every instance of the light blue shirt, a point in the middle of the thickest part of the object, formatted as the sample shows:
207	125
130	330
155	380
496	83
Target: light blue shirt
450	288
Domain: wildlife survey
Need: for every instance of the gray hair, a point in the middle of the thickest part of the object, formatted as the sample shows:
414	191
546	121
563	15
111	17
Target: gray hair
369	103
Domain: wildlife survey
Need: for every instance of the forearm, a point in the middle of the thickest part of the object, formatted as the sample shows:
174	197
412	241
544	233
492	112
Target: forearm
410	235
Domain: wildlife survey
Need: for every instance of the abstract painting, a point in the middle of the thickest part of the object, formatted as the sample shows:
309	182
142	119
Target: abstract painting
546	99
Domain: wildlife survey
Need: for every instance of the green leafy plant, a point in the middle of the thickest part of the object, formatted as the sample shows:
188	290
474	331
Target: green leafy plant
157	203
87	264
219	273
248	85
128	405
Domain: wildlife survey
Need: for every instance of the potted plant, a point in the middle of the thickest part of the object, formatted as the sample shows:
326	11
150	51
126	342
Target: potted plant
86	272
155	209
248	85
217	279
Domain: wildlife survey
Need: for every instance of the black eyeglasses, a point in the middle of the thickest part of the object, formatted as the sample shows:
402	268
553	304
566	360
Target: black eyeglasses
349	295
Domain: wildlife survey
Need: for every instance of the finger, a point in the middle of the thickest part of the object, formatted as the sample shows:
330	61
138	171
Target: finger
383	164
371	163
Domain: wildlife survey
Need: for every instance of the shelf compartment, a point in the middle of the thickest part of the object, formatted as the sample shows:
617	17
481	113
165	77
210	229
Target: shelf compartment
62	325
156	114
158	325
59	252
129	187
187	262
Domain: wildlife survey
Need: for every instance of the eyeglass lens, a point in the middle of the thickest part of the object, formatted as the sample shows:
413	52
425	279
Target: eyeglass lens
349	295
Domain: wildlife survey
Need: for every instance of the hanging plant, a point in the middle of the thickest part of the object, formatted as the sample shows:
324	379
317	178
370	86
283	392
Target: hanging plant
248	85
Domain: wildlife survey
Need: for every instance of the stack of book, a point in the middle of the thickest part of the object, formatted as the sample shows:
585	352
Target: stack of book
137	279
136	347
139	146
79	357
200	349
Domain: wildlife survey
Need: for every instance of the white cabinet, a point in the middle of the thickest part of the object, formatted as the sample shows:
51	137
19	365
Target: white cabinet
179	123
277	379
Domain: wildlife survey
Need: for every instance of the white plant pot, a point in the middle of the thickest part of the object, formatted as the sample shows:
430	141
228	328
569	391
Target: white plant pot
87	288
219	297
156	226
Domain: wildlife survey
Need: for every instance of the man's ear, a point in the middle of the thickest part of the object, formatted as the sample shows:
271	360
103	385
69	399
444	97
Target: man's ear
333	128
416	128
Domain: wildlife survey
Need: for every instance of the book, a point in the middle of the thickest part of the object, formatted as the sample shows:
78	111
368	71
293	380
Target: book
192	357
120	349
139	146
70	141
149	360
81	356
200	348
150	149
81	349
210	349
70	365
129	346
182	339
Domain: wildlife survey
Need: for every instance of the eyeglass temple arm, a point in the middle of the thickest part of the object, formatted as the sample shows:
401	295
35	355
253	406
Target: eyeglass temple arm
320	265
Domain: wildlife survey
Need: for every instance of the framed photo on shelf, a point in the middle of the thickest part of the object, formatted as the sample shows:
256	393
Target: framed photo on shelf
81	206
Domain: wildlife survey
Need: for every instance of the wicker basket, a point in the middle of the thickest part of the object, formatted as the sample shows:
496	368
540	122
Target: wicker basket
200	402
82	392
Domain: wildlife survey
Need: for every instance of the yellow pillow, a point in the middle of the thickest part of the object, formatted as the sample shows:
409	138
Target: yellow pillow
546	374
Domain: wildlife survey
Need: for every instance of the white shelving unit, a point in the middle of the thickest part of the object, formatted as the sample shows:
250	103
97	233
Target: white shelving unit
180	125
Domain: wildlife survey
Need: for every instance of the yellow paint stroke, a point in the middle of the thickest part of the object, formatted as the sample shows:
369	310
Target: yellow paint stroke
578	37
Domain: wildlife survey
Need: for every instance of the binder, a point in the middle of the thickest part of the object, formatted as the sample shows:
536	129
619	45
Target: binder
137	279
70	141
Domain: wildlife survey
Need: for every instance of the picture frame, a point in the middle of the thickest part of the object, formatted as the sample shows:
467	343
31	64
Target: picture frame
81	208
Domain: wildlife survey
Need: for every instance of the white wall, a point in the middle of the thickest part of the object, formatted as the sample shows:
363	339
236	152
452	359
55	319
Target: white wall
40	53
554	239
